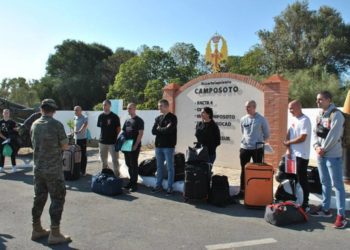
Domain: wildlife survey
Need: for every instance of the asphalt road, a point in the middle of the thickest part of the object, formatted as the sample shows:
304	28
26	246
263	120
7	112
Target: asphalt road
145	221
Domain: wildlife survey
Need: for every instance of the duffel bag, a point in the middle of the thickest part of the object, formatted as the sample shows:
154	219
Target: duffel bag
284	213
148	167
106	183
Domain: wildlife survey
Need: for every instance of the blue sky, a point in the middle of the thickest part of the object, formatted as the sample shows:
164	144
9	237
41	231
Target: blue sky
29	30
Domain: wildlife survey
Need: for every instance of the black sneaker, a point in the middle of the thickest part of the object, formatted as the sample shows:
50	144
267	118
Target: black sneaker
306	208
128	186
157	189
239	196
133	189
169	192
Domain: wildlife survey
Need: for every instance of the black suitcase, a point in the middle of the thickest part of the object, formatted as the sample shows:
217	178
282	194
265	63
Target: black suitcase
313	178
197	181
72	162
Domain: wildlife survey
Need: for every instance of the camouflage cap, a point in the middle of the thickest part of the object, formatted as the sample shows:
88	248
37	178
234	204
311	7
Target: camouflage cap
49	102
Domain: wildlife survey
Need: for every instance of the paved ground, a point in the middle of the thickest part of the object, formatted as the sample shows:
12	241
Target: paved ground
145	221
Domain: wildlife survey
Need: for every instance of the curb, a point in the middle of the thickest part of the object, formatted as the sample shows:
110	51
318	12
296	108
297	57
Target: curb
314	199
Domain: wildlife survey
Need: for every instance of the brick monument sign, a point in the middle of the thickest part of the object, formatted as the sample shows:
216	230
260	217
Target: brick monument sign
226	94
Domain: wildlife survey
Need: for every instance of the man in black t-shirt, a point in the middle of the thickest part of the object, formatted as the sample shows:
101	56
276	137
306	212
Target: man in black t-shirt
110	128
133	130
8	131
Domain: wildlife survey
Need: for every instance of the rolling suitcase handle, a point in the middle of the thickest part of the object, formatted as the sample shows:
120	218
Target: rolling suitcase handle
256	151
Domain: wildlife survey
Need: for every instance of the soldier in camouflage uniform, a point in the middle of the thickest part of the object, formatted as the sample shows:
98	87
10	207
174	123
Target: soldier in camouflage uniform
48	139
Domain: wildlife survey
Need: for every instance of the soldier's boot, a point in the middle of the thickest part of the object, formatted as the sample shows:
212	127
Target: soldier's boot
39	232
56	237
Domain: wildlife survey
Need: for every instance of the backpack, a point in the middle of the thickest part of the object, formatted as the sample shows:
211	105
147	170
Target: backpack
281	174
219	193
290	190
323	132
284	213
179	168
313	178
346	132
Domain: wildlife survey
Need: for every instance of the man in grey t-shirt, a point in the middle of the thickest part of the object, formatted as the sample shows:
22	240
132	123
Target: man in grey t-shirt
254	128
80	129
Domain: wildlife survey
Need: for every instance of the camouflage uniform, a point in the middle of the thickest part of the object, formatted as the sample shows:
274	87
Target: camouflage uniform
48	137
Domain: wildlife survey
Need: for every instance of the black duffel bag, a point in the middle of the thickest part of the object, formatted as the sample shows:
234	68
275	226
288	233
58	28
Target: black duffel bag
148	167
106	183
284	213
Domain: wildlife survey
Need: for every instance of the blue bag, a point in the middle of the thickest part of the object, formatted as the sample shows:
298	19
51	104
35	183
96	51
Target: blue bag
120	141
107	183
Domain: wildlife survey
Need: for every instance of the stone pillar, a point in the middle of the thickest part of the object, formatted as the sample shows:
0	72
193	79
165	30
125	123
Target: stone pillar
276	113
169	93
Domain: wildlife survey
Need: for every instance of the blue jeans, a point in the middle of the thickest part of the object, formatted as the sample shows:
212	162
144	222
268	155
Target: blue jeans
331	174
165	154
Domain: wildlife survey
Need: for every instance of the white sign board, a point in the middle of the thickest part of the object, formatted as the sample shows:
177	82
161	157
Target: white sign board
227	98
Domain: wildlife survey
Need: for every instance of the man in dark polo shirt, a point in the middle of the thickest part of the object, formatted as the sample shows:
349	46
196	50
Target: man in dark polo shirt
110	128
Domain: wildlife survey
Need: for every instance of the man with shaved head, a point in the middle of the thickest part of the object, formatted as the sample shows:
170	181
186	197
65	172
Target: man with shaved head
254	128
133	130
298	141
80	135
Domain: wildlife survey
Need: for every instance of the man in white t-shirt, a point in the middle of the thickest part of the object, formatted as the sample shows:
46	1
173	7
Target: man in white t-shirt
298	141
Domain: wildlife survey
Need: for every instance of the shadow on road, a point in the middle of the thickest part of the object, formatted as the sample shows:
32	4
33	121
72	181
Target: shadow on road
3	239
20	175
64	246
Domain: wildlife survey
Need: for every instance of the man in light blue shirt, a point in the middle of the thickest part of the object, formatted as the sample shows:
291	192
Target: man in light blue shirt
254	128
80	128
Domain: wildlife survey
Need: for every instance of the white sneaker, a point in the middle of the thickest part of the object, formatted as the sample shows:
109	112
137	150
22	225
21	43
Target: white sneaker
1	170
14	169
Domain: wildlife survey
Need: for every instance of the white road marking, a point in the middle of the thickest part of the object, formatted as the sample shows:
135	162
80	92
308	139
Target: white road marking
233	245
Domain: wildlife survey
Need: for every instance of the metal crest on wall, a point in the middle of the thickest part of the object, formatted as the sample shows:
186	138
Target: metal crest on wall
216	57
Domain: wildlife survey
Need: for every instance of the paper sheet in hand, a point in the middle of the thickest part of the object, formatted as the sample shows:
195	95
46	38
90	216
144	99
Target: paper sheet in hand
8	140
127	146
268	149
291	165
